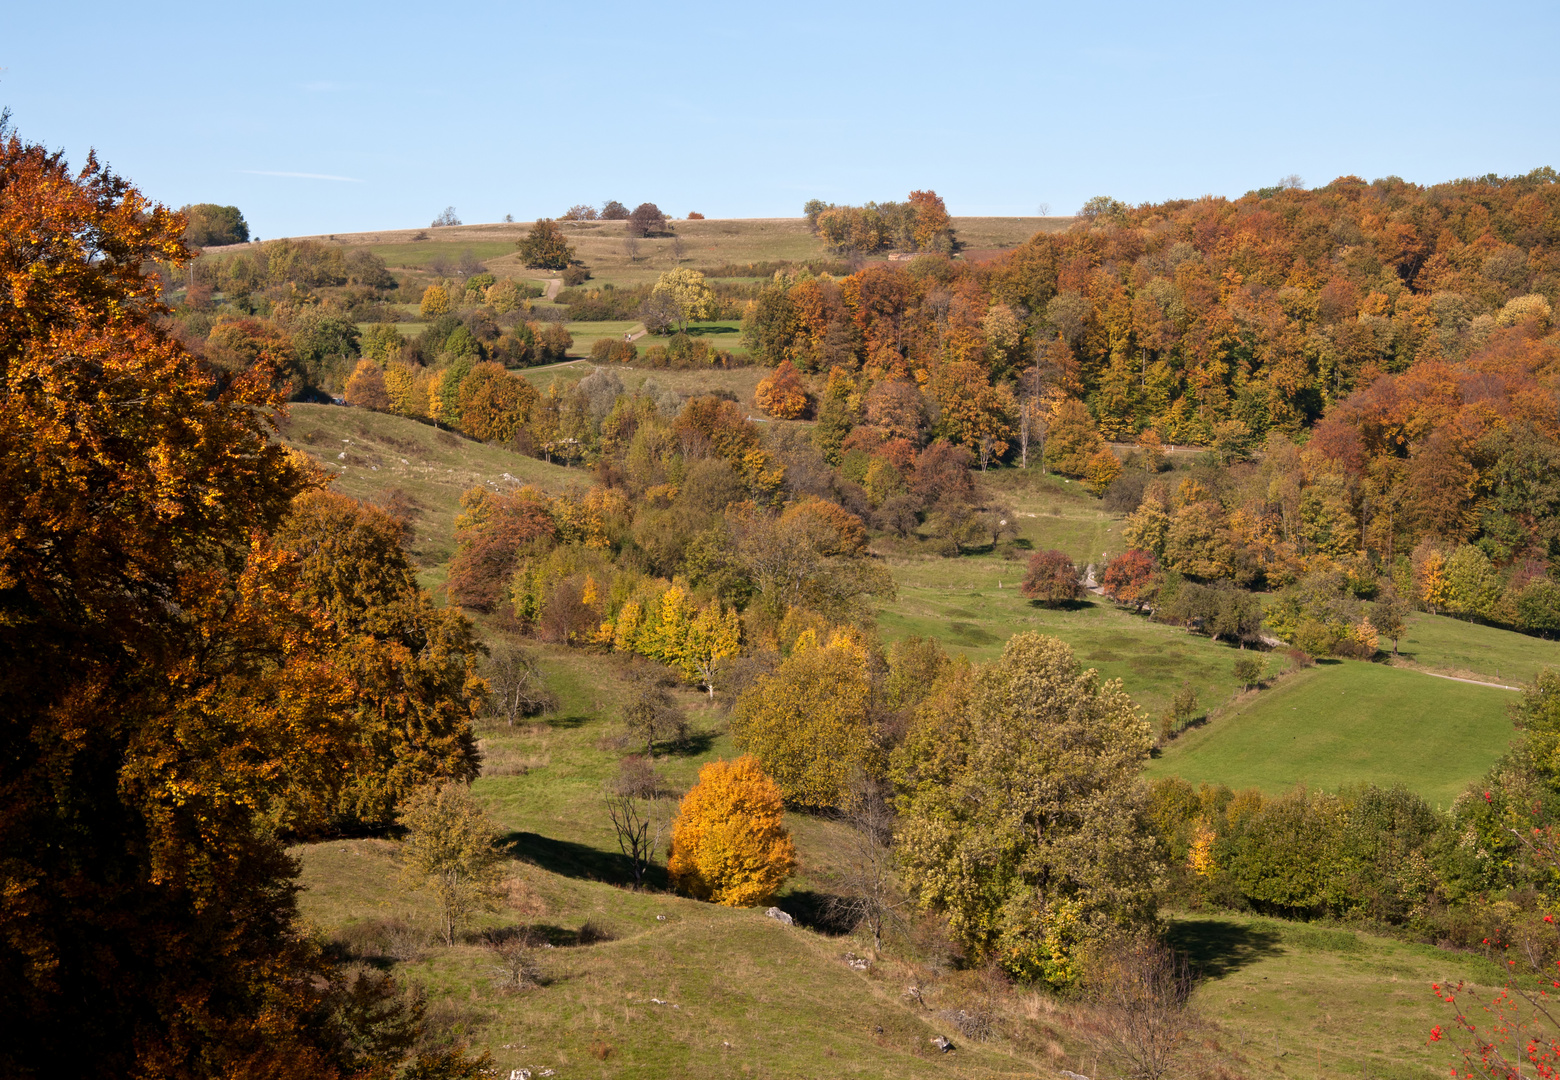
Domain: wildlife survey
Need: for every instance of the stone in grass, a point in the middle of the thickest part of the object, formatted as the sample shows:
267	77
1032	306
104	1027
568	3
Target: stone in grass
942	1043
780	917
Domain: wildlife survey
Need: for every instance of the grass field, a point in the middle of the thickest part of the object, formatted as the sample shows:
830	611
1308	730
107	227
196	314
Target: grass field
739	381
1487	653
601	244
1343	722
372	455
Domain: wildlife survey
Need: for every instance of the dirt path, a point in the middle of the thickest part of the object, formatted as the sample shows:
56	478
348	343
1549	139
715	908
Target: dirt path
1455	678
554	286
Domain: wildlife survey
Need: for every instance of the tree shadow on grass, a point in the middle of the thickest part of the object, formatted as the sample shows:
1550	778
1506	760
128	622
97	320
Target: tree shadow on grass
692	745
1217	948
818	911
705	331
568	859
568	723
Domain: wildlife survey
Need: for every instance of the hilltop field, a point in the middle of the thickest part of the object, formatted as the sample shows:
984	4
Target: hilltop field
652	984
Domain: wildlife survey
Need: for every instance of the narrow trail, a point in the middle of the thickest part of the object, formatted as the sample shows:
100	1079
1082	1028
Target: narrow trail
554	286
1456	678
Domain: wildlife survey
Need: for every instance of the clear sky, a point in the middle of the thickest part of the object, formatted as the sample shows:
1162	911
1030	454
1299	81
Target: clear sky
335	117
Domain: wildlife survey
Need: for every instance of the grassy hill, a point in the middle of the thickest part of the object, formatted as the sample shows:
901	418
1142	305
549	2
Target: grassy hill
600	244
376	457
741	995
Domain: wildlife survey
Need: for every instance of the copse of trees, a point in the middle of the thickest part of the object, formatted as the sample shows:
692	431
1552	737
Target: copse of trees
920	224
211	225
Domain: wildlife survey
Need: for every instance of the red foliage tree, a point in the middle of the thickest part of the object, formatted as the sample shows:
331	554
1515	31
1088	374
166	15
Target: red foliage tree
1132	578
1052	579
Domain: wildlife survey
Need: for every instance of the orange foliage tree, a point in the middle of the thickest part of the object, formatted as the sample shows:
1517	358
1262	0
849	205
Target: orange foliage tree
782	394
170	689
729	842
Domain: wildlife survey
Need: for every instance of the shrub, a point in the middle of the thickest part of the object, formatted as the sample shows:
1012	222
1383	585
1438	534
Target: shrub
614	350
575	274
1103	469
729	842
1052	579
1249	669
694	215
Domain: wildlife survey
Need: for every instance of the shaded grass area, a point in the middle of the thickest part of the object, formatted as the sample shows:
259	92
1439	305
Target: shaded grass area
385	454
1297	1000
1347	722
1470	649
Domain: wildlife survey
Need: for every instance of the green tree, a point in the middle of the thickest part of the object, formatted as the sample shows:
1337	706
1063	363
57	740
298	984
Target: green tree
211	225
545	248
1472	585
1389	615
1249	669
688	293
1022	809
449	851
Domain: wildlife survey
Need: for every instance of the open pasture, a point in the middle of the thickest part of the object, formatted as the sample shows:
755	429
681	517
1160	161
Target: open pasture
1346	722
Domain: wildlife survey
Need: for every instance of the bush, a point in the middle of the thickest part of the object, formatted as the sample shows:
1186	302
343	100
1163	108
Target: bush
1052	579
576	275
615	351
545	248
782	395
729	842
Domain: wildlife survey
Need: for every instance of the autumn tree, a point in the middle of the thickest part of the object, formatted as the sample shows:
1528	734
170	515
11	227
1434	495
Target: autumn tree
782	394
450	851
488	537
1102	470
646	219
808	724
1022	811
168	683
612	210
412	665
1073	439
687	293
366	387
544	247
1389	615
1132	578
435	302
211	225
714	636
1052	579
729	841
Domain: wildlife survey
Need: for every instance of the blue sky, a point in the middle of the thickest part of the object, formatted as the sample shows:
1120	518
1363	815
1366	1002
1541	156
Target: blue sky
747	110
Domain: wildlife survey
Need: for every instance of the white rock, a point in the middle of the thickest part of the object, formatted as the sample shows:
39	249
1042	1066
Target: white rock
780	917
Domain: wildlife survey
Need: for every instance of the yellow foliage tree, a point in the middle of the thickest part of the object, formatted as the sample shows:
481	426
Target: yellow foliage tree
688	292
729	842
1102	471
435	302
714	636
366	388
808	724
1200	859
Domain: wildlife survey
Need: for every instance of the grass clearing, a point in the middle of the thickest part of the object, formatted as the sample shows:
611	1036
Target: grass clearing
373	455
1345	722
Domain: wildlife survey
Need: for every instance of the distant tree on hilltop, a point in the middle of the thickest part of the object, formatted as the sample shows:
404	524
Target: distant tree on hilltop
211	225
612	210
545	248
